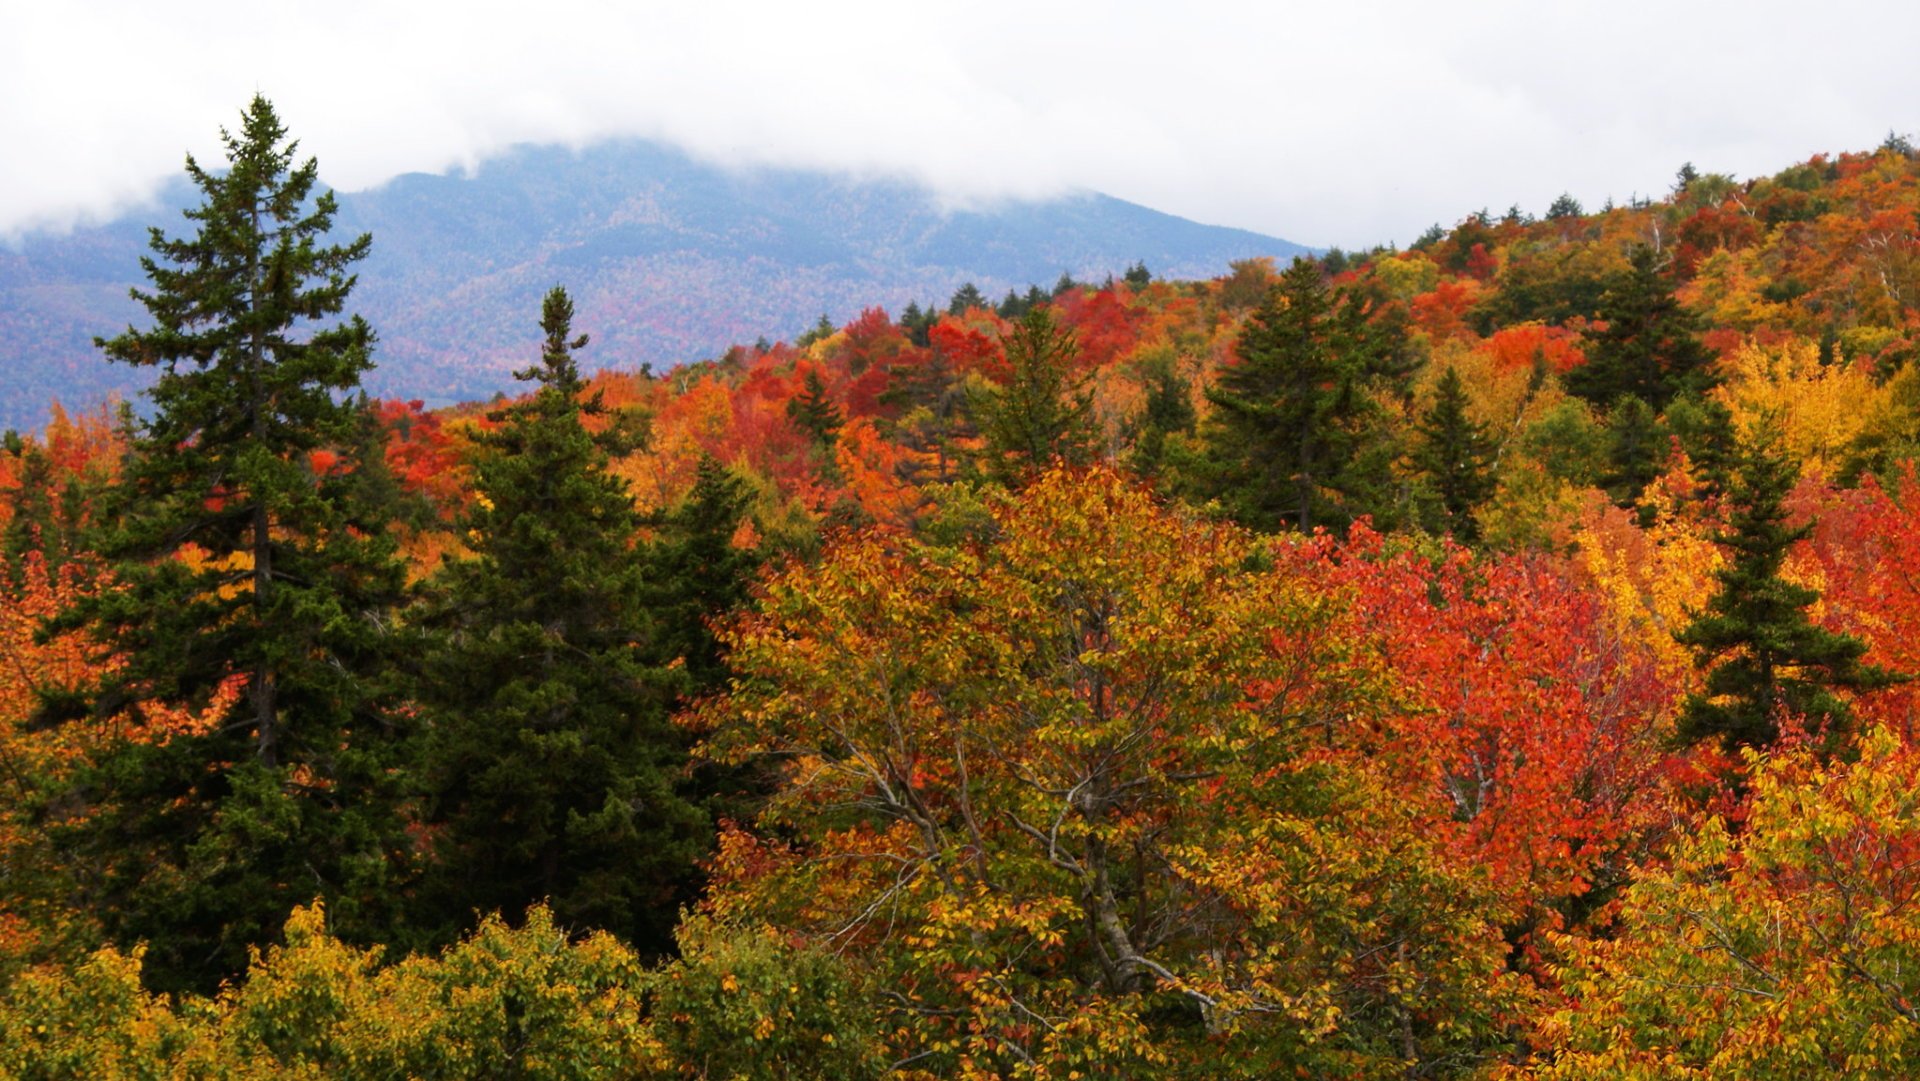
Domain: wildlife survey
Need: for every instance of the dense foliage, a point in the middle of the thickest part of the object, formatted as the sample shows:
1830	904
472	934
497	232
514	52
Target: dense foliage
1481	660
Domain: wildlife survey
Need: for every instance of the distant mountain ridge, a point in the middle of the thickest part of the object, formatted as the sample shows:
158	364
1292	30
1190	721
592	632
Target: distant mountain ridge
669	260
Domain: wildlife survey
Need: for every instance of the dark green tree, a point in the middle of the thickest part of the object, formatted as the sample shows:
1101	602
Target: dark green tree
819	332
243	566
1296	435
1168	412
1564	206
1138	276
697	574
813	411
966	297
1648	348
1764	656
548	763
1044	411
1455	454
1638	446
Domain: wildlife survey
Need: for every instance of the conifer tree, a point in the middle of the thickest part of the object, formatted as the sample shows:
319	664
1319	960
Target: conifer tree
1044	411
1456	454
549	762
241	564
1762	653
1296	434
966	297
813	411
1167	412
1648	348
697	574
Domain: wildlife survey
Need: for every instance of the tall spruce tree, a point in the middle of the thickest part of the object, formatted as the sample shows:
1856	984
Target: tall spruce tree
1456	455
1648	348
549	762
1296	435
1044	411
242	565
1764	657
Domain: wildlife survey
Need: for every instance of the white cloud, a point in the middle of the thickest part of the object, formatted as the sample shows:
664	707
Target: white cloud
1329	124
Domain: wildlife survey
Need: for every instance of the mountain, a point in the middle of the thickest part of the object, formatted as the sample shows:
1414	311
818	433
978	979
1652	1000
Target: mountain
669	260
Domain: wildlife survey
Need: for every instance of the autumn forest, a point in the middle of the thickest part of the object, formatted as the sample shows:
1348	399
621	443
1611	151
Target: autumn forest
1493	659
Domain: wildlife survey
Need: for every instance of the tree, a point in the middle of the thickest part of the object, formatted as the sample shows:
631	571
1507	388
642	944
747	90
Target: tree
1456	454
1564	206
1648	348
1138	276
1765	658
549	763
813	411
243	566
697	574
1044	411
1295	420
1060	792
965	298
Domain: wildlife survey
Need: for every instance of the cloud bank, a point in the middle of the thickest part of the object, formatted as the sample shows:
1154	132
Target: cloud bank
1326	124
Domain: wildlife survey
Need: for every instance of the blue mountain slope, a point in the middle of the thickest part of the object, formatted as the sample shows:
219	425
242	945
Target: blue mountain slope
669	260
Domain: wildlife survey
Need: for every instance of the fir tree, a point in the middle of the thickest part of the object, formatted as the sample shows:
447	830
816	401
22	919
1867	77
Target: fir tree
549	763
813	411
1764	657
1138	276
965	298
1296	434
241	565
1168	412
1456	454
697	574
1648	348
1044	411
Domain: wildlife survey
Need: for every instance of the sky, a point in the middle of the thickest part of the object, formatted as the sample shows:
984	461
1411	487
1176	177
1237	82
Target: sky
1329	123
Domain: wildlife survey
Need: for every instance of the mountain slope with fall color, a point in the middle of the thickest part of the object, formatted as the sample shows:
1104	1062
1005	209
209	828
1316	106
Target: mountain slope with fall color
669	259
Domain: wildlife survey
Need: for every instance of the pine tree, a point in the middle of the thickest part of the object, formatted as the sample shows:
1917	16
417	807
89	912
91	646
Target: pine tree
1763	655
1296	434
1167	412
1648	348
697	574
966	297
241	564
549	762
1456	454
813	411
1044	411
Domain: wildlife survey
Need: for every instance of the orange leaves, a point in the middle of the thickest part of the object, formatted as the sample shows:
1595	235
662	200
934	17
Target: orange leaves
1514	348
1523	717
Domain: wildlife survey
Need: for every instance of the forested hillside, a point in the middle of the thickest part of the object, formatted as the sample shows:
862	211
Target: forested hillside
1492	659
669	258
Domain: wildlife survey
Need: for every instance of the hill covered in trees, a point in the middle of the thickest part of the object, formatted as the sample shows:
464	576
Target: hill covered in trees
1493	659
670	259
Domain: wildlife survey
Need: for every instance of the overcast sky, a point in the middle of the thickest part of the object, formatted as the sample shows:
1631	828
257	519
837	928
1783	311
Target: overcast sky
1326	123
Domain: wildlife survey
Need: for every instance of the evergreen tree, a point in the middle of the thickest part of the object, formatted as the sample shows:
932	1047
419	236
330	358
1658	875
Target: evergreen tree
1762	653
1138	276
813	411
1456	454
1637	449
1168	412
1565	206
819	332
1648	348
549	762
964	298
243	566
1296	434
1044	411
697	574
